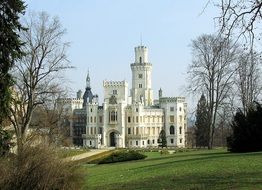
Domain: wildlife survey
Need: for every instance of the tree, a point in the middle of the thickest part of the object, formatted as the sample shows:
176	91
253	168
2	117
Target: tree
202	129
162	138
247	130
248	79
38	74
241	19
211	71
10	51
50	121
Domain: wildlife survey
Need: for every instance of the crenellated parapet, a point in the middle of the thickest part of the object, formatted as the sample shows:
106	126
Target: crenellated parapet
115	83
172	99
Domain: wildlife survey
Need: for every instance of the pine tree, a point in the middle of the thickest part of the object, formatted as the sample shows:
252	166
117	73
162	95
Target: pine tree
202	124
247	130
162	139
10	51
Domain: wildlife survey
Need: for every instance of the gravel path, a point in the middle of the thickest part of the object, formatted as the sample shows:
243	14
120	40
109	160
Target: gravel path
92	152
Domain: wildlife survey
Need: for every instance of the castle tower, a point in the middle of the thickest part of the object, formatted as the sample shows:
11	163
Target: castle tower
141	77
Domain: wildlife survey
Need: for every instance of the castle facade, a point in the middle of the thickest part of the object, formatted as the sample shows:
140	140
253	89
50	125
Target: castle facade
127	118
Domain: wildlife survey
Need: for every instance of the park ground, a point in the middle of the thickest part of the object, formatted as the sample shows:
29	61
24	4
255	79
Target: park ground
195	170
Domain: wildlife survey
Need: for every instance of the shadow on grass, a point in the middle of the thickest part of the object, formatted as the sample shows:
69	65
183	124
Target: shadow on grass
193	182
191	158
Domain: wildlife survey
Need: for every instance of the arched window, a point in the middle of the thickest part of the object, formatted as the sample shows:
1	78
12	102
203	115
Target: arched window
172	130
180	130
140	59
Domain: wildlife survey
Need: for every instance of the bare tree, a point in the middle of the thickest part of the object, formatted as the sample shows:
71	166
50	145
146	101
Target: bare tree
50	122
39	73
240	18
248	79
211	73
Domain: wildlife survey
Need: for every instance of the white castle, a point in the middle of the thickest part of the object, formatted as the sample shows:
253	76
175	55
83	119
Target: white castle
127	120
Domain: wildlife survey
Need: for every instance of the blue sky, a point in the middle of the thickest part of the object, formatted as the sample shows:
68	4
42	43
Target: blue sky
103	34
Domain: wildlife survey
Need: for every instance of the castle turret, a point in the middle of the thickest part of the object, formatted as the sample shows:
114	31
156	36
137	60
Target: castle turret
141	77
79	94
88	95
160	93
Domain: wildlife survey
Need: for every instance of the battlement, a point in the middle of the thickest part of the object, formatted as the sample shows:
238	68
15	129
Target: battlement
172	99
115	83
70	100
140	66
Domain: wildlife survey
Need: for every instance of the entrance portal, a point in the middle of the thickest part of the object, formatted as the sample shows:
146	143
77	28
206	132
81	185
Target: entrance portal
112	139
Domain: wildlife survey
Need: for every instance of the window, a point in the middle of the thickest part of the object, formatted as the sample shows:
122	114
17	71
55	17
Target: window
180	130
148	141
137	130
172	119
180	109
140	59
143	142
91	110
90	142
129	131
129	119
91	119
172	130
113	116
114	92
153	141
172	141
95	119
139	85
136	109
180	140
137	119
140	76
172	109
100	119
136	143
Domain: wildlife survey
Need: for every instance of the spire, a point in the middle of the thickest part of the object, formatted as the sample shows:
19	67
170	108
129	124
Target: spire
88	80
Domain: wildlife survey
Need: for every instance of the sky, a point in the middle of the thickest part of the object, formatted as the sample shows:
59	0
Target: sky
103	34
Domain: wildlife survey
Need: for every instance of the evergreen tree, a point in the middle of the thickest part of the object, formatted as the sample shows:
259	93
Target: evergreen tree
202	123
247	130
162	138
10	51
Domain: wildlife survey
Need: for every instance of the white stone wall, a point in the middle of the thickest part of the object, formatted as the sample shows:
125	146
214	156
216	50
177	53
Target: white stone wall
175	115
138	124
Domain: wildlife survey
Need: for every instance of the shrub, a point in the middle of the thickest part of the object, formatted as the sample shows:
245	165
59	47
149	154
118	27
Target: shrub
38	168
247	131
122	156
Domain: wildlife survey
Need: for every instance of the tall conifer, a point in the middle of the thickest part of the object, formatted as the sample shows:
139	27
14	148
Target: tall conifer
202	127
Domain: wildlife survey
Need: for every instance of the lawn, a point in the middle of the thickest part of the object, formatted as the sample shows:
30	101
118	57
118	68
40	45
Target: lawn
215	169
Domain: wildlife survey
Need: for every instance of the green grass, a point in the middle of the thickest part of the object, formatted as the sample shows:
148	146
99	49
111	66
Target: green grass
215	169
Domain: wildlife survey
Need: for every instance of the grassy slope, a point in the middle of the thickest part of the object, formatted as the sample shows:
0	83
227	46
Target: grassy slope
215	169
